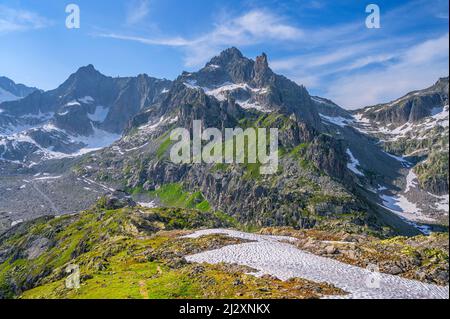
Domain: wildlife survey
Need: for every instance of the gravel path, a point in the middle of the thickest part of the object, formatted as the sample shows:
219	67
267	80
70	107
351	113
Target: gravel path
274	255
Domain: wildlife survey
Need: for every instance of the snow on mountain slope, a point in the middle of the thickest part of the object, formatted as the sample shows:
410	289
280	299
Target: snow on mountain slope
49	142
415	126
418	130
417	191
10	91
7	96
87	112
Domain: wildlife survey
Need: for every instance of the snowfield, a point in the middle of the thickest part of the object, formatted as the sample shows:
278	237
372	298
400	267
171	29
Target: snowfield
409	209
353	164
439	117
336	120
275	255
7	96
99	114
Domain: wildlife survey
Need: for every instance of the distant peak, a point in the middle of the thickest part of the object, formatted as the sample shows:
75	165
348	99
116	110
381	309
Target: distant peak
87	68
233	51
227	56
442	80
87	71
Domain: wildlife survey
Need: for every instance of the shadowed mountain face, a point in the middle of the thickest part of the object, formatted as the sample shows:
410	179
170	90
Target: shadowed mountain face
10	91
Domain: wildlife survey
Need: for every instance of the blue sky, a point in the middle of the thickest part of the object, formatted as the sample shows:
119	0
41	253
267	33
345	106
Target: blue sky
321	44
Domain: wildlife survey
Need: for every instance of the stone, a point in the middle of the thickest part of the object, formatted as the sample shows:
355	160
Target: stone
330	250
394	270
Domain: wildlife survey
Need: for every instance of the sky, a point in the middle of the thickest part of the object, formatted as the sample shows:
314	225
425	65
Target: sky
323	45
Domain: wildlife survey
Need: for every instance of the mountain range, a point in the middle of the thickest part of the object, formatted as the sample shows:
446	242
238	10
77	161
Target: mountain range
378	170
86	181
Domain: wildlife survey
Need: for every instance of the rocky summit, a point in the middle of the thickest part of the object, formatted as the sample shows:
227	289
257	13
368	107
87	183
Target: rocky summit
86	178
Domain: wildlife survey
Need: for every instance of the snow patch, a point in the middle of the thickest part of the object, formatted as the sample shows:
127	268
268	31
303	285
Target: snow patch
151	204
411	180
353	164
214	66
153	126
73	103
439	117
6	96
192	84
99	115
86	100
16	222
46	178
249	104
40	116
402	160
443	202
336	120
401	206
98	140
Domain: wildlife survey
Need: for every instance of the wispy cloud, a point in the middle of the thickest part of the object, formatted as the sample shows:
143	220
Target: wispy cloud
137	10
12	20
257	26
415	68
358	67
173	42
344	61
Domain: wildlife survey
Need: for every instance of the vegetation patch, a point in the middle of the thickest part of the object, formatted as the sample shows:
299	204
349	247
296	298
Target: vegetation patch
132	253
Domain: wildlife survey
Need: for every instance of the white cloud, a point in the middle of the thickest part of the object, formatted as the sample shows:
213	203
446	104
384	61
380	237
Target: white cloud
257	26
314	60
367	60
174	42
428	51
137	10
416	68
12	20
346	62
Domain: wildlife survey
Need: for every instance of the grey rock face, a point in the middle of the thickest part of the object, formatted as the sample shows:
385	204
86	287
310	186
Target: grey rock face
118	200
17	90
87	106
412	107
263	87
86	89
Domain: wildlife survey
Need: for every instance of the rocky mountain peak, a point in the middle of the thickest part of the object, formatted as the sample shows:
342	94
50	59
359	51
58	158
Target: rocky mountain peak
443	84
412	107
262	72
87	71
86	81
262	61
226	57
